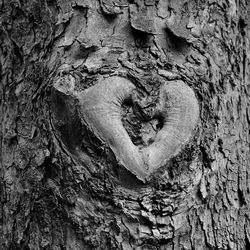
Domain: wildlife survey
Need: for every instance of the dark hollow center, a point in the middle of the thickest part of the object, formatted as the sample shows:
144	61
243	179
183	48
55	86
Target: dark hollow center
140	126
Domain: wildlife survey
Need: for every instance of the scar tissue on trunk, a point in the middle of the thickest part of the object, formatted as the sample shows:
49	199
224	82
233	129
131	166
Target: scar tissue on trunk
100	110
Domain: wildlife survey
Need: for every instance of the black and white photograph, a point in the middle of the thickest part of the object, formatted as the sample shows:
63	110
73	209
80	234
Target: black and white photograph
124	125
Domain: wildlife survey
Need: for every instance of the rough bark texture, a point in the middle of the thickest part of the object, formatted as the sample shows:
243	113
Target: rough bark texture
61	186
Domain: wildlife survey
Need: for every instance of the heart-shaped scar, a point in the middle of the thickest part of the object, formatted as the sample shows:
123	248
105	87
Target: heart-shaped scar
100	110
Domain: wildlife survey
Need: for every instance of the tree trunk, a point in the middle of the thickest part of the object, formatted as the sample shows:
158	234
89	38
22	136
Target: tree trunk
124	124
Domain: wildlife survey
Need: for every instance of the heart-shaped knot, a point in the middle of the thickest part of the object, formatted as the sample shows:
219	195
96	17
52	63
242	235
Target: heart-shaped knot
100	109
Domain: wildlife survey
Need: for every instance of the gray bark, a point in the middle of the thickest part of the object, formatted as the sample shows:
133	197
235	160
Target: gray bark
62	185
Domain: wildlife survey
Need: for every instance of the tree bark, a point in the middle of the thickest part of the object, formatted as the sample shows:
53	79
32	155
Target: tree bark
67	181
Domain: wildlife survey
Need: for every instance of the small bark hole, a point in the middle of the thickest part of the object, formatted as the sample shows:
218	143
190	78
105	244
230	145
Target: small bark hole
176	43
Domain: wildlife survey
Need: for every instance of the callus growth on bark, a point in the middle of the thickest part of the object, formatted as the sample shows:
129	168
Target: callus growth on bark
100	110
